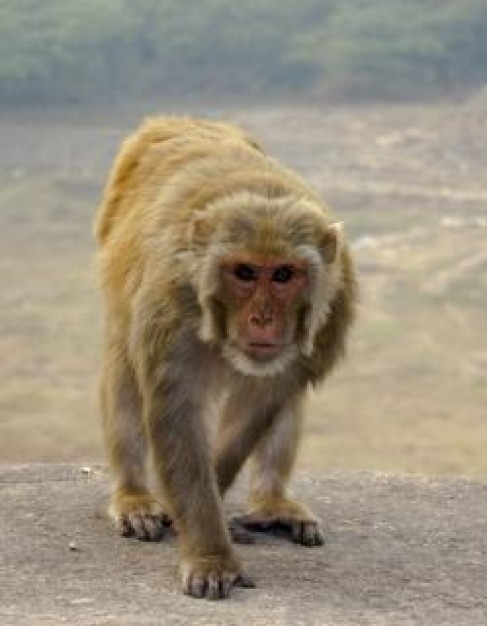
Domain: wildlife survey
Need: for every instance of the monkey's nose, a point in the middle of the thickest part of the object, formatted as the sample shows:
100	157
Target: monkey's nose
261	320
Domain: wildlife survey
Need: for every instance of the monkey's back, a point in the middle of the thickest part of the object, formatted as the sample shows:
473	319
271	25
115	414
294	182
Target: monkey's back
191	161
148	159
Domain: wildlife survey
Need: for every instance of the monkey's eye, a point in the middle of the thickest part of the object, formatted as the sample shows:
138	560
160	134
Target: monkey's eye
282	274
244	272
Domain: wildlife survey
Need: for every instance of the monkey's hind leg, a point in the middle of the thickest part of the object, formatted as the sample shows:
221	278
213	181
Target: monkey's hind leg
135	511
270	508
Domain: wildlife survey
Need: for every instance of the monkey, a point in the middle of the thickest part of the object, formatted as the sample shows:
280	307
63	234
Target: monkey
224	277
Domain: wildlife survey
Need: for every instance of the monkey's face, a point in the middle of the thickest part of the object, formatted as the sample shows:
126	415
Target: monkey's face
265	278
262	298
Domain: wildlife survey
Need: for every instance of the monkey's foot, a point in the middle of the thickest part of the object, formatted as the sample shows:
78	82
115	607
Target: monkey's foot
283	515
139	515
213	577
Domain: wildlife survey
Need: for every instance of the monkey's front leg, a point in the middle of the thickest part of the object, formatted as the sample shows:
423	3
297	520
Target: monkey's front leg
135	511
183	465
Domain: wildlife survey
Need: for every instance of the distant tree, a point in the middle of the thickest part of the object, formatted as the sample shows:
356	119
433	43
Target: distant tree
94	50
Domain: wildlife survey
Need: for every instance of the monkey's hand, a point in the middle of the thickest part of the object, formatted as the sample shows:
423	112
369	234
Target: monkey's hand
282	514
139	515
213	577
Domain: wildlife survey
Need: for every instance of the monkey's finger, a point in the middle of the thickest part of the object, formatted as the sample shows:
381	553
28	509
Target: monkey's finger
242	579
125	527
166	520
138	526
226	585
215	588
313	535
154	527
214	584
194	585
145	527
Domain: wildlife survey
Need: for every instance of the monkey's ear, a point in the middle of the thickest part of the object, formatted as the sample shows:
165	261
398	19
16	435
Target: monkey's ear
331	241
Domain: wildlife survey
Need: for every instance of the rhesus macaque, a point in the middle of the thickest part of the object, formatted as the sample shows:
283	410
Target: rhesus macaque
224	276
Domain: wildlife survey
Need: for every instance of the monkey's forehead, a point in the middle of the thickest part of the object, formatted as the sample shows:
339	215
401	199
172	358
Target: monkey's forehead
268	262
264	221
275	240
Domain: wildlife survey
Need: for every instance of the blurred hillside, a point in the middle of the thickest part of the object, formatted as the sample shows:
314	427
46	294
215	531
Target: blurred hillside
404	166
106	50
409	182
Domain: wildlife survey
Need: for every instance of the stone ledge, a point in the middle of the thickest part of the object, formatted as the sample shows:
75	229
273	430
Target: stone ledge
399	550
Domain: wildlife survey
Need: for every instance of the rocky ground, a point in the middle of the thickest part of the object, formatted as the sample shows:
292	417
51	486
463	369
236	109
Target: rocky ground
399	551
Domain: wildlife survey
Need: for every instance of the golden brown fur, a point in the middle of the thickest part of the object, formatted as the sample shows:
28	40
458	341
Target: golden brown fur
183	197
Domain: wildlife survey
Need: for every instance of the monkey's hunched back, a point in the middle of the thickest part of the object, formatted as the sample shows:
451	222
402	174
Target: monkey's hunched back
224	277
163	147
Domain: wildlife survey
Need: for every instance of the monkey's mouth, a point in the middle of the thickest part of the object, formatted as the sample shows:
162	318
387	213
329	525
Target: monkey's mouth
263	351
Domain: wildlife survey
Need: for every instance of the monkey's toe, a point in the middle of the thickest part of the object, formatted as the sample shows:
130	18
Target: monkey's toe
213	581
